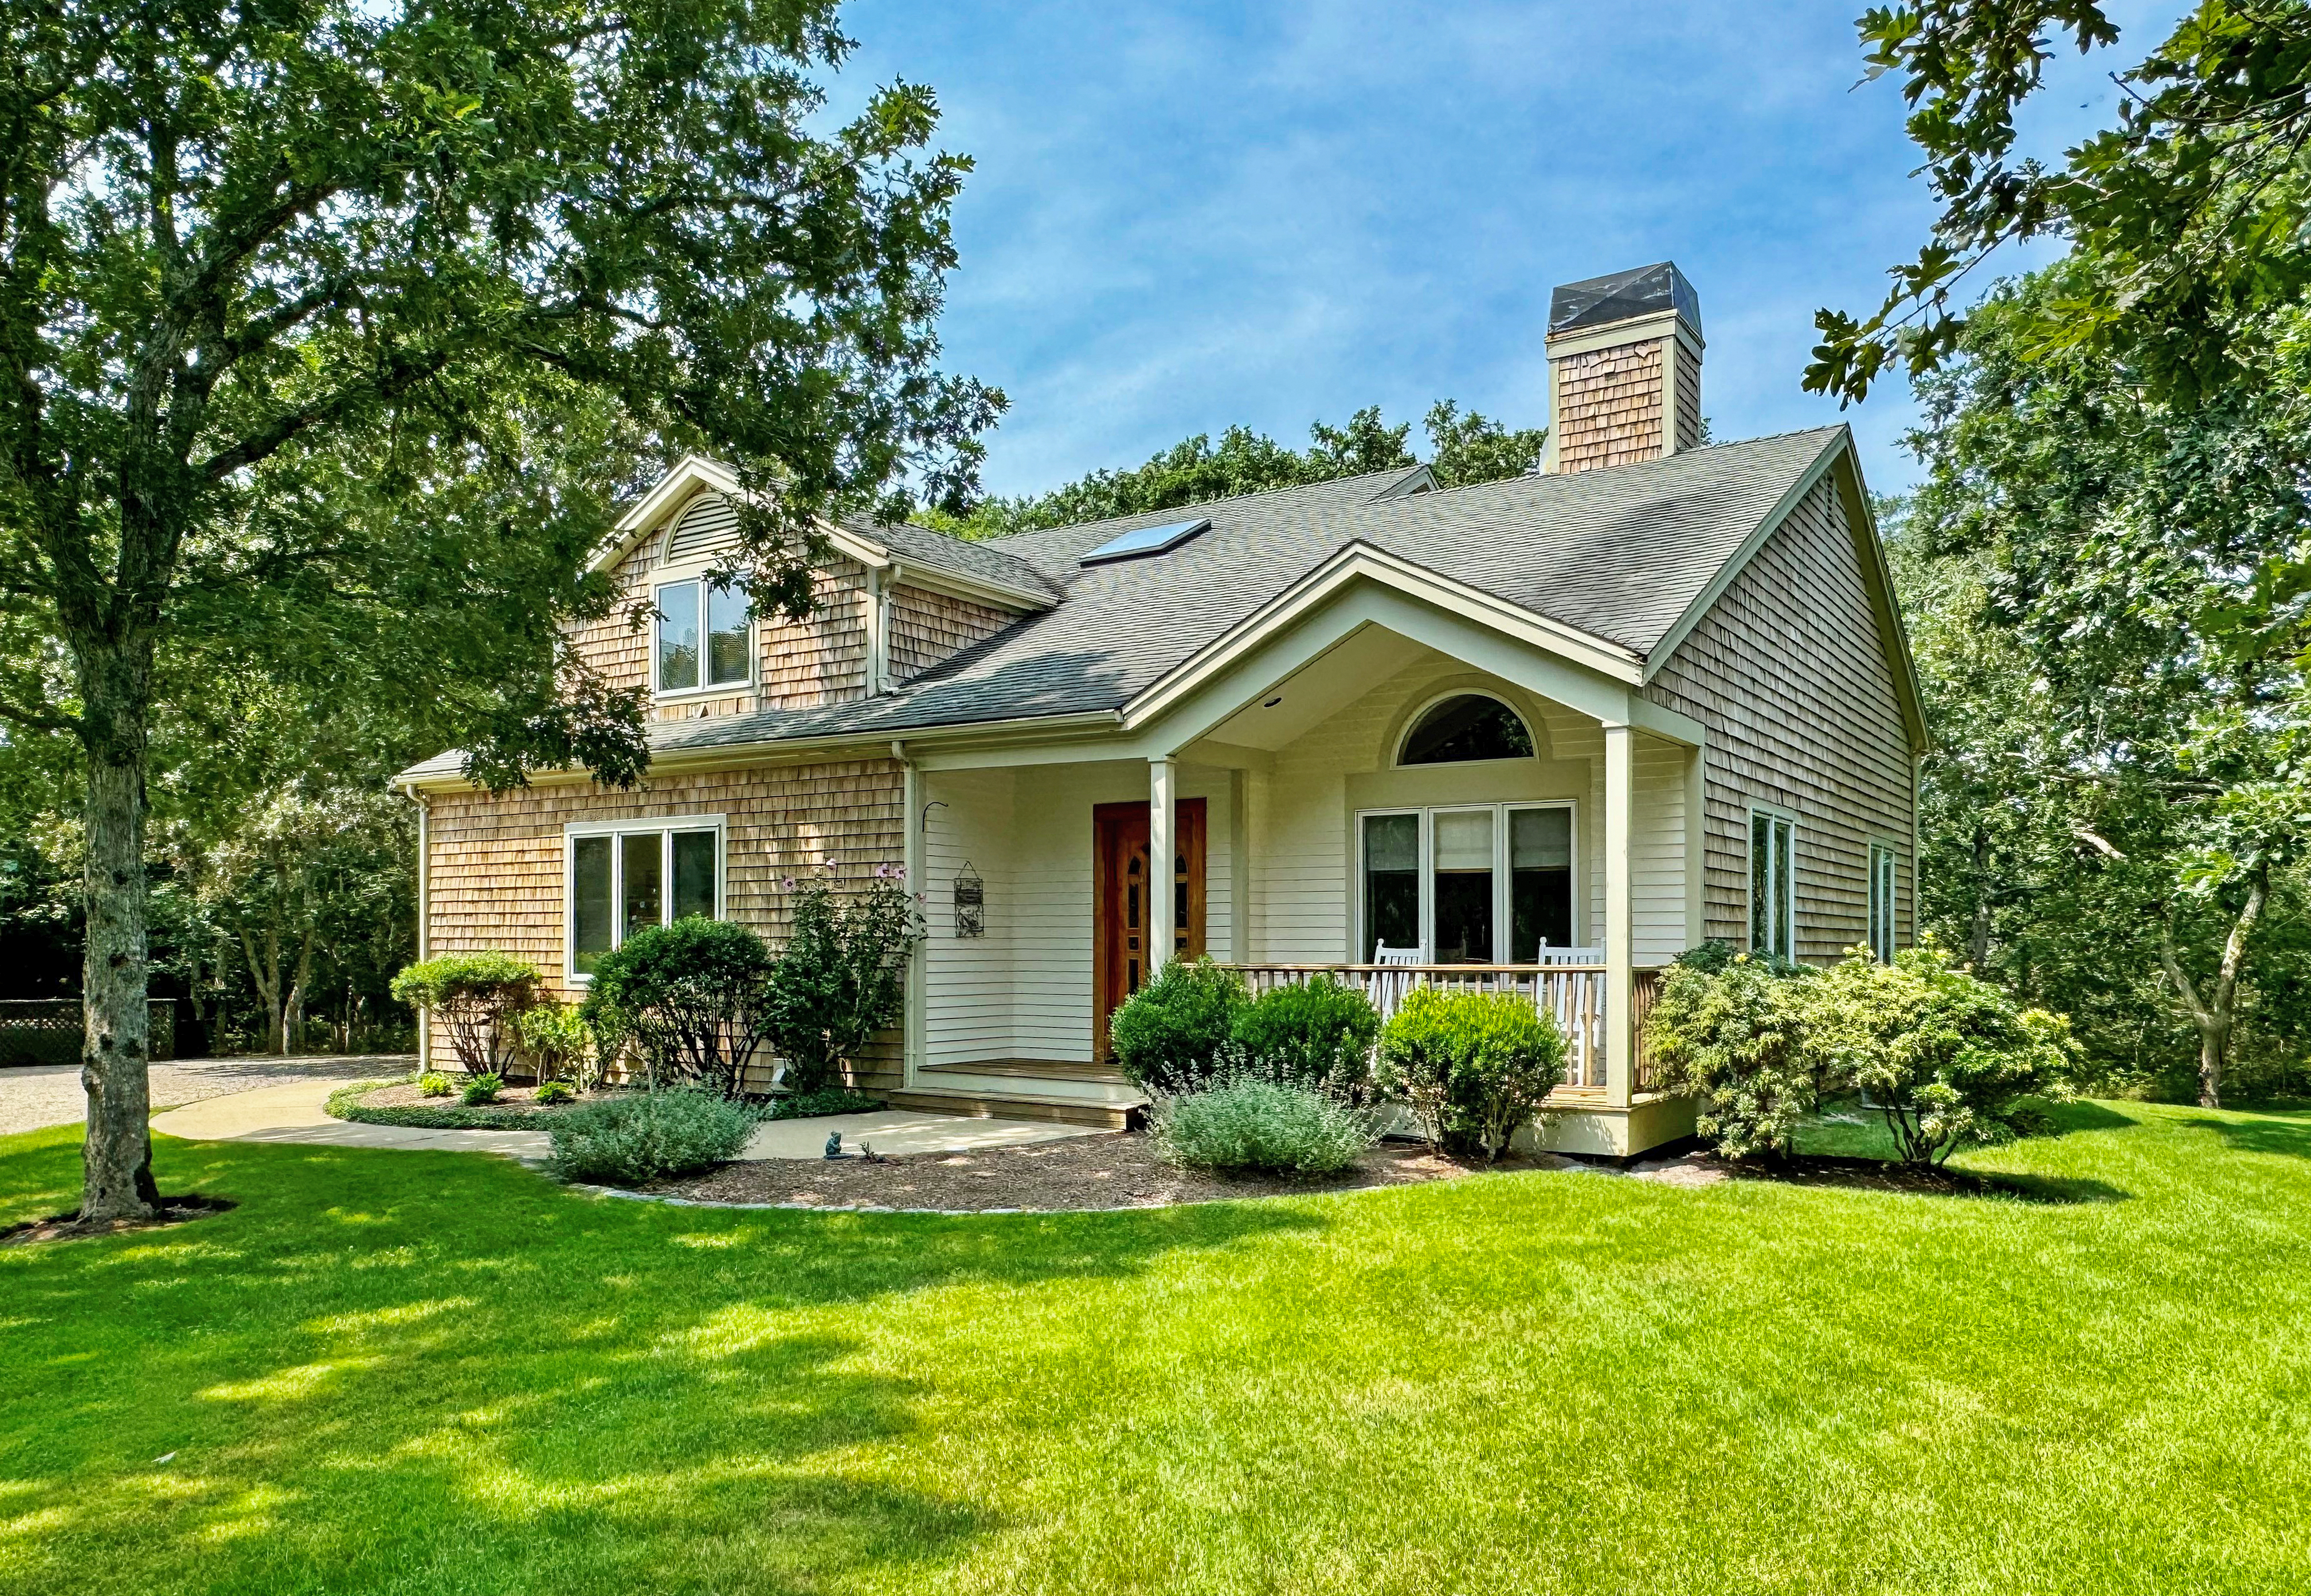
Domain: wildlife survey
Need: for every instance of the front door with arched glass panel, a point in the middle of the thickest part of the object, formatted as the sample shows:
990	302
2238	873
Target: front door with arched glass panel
1122	958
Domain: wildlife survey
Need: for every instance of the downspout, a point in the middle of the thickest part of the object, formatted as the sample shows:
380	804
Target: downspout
914	820
424	921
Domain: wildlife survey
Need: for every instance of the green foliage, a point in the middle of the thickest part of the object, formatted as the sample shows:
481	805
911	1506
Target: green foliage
638	1137
550	1092
475	995
819	1104
1464	449
1315	1033
482	1089
559	1045
683	1000
434	1084
2103	590
1950	1061
840	977
1173	1035
1733	1033
1259	1124
2195	201
1474	1067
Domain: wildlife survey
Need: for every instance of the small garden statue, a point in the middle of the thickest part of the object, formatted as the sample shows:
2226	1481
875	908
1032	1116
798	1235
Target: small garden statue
834	1144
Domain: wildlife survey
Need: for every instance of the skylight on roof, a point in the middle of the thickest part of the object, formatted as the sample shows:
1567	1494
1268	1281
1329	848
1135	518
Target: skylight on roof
1144	541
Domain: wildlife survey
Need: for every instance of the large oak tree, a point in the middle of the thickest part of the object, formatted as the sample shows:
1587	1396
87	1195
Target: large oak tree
280	281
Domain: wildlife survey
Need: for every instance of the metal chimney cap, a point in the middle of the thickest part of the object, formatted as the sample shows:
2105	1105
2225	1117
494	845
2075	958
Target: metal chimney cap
1644	291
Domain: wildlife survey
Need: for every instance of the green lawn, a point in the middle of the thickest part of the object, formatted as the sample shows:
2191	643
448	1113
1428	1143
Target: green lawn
428	1372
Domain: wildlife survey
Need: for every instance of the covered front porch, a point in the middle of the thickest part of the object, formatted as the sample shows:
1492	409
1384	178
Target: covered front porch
1383	809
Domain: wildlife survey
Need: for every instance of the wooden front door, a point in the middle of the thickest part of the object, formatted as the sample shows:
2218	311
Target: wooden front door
1121	959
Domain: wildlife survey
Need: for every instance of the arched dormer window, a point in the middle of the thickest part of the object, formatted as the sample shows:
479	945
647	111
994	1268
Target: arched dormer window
1467	725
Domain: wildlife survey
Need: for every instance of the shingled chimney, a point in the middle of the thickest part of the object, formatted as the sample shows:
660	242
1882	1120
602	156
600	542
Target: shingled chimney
1623	370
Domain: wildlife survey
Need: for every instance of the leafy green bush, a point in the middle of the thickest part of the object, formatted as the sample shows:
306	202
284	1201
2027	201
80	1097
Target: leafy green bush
559	1045
818	1105
637	1136
842	977
1949	1060
474	996
1315	1033
553	1092
434	1084
1474	1067
1734	1037
482	1089
1174	1035
685	1001
1250	1123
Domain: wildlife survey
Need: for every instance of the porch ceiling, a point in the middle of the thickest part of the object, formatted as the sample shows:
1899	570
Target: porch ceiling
1322	688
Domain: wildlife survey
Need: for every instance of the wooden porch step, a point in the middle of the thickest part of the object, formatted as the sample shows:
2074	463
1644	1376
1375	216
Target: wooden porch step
1104	1075
1015	1105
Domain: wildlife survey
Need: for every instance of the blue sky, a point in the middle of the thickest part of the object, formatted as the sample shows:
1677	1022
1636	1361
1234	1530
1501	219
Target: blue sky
1186	215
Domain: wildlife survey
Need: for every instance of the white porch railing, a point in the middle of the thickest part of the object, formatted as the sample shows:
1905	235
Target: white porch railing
1573	994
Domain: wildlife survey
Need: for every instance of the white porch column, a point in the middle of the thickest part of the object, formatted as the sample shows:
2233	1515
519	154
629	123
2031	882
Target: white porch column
913	1036
1621	1029
1163	848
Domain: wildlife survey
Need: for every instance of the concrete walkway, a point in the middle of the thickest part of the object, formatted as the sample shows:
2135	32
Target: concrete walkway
293	1112
34	1095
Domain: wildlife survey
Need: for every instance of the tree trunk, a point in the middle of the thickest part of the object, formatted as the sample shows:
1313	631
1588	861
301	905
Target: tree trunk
2215	1012
116	1159
1977	946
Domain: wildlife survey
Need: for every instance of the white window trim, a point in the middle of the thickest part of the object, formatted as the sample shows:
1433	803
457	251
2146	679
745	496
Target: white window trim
1749	876
1879	851
667	577
666	826
1412	724
1502	888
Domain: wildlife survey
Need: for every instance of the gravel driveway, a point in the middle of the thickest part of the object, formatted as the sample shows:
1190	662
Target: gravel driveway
38	1095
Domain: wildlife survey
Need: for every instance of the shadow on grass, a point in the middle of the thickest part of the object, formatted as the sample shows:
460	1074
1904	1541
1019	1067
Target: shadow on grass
386	1362
2286	1131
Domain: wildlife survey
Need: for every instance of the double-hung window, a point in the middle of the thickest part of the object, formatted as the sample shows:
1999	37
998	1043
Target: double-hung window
1773	884
623	874
1484	883
1881	902
702	636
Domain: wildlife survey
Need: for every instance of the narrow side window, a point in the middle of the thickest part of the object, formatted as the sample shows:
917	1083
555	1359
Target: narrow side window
677	636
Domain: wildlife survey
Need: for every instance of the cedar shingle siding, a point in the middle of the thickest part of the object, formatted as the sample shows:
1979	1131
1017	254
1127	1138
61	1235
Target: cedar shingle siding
928	628
1611	400
497	866
1789	670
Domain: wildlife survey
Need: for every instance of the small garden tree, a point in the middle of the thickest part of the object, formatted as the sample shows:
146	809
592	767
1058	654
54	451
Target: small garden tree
1174	1035
841	976
1950	1061
475	995
1729	1032
686	999
1475	1068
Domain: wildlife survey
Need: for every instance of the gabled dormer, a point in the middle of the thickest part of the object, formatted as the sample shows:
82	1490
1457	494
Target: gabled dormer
892	604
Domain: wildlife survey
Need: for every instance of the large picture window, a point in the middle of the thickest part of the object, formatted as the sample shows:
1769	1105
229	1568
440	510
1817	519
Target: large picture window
1881	902
1773	884
702	636
1480	884
631	873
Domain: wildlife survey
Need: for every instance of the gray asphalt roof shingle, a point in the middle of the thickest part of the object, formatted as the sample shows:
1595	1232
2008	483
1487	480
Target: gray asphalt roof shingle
1619	553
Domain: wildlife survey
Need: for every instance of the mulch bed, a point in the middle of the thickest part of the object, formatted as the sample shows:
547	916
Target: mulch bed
71	1227
1121	1171
518	1099
1111	1171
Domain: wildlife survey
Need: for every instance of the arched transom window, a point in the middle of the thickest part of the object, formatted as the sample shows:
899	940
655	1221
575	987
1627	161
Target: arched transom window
1467	725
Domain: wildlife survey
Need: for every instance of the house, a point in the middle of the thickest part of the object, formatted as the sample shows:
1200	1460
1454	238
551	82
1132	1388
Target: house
1539	735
